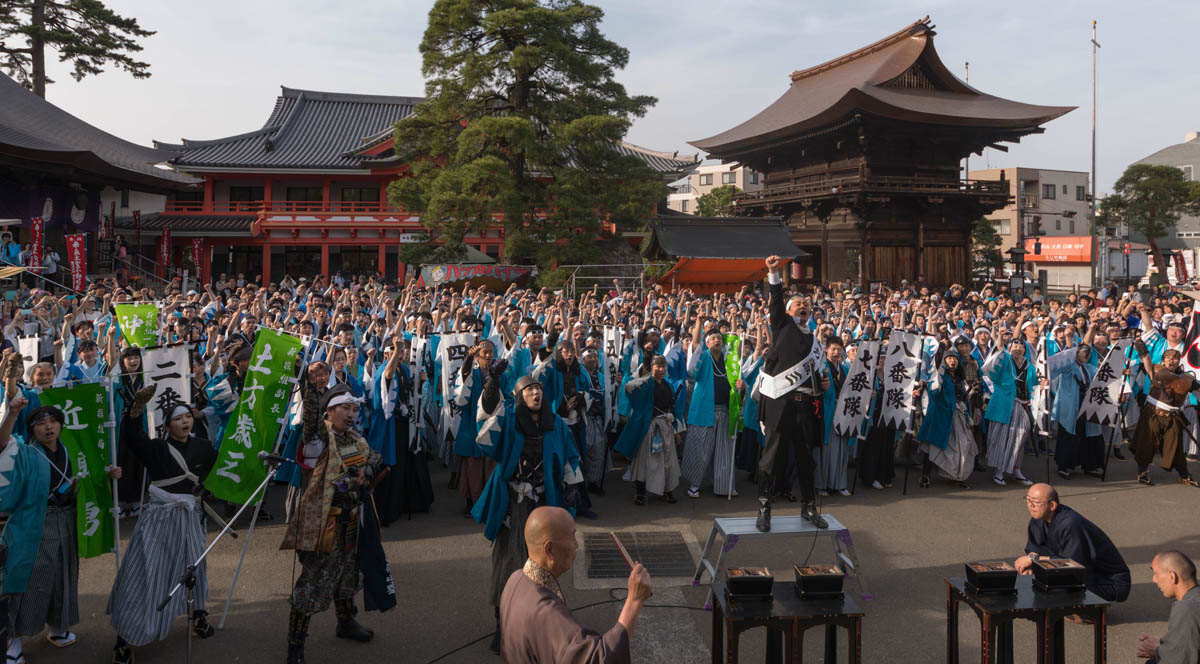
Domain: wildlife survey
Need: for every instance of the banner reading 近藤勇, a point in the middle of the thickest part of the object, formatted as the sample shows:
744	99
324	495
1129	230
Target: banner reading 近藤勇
255	421
138	323
85	411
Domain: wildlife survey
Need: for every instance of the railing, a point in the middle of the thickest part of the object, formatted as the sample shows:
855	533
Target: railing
902	184
255	207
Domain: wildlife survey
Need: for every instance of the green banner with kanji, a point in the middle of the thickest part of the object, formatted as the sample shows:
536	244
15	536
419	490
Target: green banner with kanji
733	372
85	412
138	323
255	422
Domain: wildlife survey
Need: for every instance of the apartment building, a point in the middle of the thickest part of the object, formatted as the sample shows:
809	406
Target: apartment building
706	178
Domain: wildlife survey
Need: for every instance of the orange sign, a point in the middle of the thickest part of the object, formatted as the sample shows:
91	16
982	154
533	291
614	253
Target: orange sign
1060	249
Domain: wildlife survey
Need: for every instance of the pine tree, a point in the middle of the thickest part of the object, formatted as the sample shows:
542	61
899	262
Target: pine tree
85	33
521	119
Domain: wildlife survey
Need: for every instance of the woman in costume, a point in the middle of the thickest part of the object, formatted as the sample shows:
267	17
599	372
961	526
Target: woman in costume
129	381
655	426
169	535
474	466
49	594
945	432
1012	376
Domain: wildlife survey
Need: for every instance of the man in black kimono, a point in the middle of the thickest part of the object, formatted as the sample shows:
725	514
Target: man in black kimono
1058	531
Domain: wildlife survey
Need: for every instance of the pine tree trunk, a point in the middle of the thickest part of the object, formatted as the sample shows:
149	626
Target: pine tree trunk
38	45
1160	276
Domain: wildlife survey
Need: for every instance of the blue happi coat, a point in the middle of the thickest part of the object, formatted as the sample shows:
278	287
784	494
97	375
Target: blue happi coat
24	485
938	422
1073	379
700	410
641	401
466	395
1002	373
500	439
829	402
381	427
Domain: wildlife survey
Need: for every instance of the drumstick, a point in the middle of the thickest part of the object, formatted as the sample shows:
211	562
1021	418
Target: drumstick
621	548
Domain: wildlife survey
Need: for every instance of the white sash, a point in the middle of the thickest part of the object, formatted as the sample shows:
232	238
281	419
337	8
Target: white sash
780	384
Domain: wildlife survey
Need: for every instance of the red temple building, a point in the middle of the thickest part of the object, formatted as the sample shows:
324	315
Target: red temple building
862	157
307	193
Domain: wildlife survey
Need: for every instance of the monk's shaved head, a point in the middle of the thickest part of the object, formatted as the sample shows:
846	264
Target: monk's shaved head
545	524
1176	561
1043	492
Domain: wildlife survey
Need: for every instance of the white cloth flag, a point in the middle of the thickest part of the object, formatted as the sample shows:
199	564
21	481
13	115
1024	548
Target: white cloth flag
168	368
1100	403
901	371
1039	404
28	348
451	352
855	400
614	343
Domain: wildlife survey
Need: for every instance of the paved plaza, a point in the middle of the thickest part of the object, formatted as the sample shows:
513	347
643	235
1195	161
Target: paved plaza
906	546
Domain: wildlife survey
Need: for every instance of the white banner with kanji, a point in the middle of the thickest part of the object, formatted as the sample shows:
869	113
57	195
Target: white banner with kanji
167	367
1103	397
854	402
901	373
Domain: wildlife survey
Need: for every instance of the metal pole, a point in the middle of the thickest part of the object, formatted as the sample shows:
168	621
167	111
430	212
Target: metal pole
1092	209
112	459
258	505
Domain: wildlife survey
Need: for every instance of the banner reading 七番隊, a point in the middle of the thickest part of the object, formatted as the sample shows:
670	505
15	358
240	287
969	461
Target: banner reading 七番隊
85	411
255	421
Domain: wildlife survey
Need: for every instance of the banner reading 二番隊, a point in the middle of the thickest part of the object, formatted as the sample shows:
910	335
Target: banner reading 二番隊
85	411
255	421
138	323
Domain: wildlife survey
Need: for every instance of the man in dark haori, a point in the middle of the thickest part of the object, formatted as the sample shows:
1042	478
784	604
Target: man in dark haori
1161	424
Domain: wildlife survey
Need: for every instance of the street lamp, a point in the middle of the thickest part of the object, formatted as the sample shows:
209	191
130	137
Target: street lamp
1016	255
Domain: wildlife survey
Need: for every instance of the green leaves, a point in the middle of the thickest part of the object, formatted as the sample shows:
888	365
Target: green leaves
718	202
521	121
1151	198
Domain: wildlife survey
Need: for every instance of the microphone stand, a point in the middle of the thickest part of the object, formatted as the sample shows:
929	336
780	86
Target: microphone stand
188	578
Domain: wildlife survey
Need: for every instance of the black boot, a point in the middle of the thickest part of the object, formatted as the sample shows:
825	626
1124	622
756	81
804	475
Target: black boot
810	513
297	633
495	646
639	497
200	626
764	514
347	626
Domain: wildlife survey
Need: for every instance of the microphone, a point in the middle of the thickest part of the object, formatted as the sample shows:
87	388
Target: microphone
272	459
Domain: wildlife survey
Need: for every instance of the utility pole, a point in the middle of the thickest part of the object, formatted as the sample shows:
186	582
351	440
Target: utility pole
1092	209
967	160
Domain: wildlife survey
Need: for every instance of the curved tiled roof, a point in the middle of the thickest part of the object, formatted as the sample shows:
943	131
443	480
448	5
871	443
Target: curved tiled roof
32	131
899	77
668	163
306	129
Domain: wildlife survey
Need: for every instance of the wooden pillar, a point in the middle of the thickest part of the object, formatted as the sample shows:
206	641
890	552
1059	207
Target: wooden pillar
266	264
383	200
325	187
920	252
208	193
205	267
325	260
382	265
268	196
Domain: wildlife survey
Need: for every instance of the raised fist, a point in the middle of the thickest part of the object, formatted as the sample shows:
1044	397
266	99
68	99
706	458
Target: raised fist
143	396
772	263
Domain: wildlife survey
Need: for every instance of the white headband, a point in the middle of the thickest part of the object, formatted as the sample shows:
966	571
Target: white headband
340	399
179	410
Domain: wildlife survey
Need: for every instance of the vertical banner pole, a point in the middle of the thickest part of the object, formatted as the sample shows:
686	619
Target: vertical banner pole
112	459
258	505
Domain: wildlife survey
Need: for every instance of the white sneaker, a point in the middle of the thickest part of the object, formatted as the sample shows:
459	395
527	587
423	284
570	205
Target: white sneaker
844	492
876	485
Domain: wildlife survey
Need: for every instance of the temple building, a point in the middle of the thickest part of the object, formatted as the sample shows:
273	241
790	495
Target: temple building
862	156
307	192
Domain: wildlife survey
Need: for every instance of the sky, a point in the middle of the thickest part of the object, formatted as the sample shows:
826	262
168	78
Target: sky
217	67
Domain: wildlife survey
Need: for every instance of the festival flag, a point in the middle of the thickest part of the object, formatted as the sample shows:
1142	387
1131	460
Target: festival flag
37	228
138	323
850	414
452	351
77	260
614	343
198	256
416	394
1191	345
137	226
167	368
1040	404
901	369
1100	403
255	422
85	413
28	348
733	371
164	250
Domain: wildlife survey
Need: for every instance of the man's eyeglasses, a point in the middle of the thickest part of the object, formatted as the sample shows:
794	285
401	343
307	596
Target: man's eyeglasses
1031	501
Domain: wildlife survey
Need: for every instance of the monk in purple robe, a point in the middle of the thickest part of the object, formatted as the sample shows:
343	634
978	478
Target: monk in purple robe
537	626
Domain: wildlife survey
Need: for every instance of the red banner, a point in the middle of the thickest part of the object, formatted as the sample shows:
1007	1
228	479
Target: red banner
77	259
198	255
137	225
37	226
1181	273
164	248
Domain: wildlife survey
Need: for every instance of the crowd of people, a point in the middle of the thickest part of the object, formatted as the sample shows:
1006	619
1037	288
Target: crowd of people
532	396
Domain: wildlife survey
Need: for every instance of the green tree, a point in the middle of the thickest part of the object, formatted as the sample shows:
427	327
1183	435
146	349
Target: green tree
718	202
521	116
85	33
1151	199
985	244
